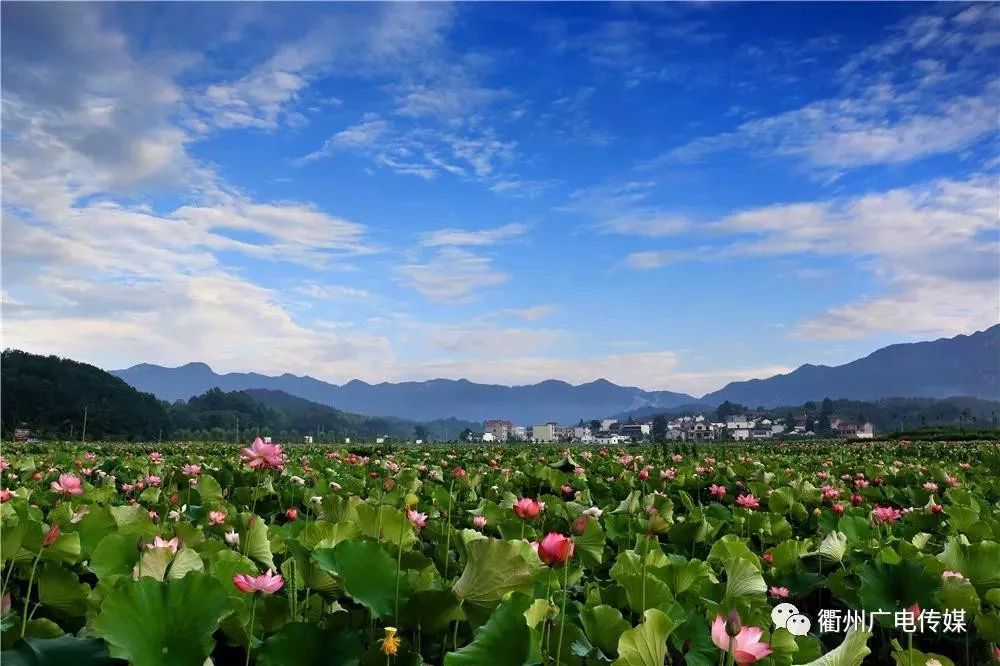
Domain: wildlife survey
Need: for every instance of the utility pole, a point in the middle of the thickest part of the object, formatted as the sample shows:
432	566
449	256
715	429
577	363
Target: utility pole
237	428
83	436
159	438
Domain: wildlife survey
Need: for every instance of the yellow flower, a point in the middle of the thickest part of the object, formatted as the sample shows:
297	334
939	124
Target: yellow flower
390	644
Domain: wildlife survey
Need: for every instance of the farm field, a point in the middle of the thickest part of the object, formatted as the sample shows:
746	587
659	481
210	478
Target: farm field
195	553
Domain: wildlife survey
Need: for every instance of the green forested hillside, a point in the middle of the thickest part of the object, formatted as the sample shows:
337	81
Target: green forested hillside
50	396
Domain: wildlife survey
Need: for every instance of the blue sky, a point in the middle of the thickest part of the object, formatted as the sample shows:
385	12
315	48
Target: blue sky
672	196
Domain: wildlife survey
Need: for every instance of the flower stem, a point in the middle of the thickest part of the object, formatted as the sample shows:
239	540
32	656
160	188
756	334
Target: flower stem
447	541
562	614
253	612
27	595
399	560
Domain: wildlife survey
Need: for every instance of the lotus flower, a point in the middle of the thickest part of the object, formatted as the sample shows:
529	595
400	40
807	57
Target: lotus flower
417	519
952	574
191	470
50	536
885	514
555	549
216	517
718	492
5	495
292	514
748	501
779	592
593	511
68	485
267	582
232	538
527	508
263	455
156	457
160	542
747	646
479	521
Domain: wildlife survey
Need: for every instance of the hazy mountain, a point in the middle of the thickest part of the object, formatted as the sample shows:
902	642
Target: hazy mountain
421	401
966	365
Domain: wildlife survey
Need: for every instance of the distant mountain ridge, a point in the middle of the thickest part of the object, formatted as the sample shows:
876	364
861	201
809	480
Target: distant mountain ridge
420	401
966	365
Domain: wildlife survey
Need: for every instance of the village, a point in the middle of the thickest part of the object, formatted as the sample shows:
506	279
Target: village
736	427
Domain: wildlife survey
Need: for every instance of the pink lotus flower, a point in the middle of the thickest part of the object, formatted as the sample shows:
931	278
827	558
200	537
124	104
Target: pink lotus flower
527	508
769	558
931	487
267	582
127	487
952	574
5	495
160	542
857	499
838	509
191	470
555	549
936	508
292	514
216	517
50	536
263	455
153	480
779	592
68	485
885	514
458	473
718	492
747	646
156	457
479	521
417	519
748	501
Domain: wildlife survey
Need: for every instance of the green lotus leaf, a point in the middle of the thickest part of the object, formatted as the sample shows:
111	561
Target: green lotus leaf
851	652
60	589
604	625
150	623
743	580
58	652
646	645
305	644
977	562
329	533
505	640
387	524
133	519
254	540
368	573
184	561
494	569
590	545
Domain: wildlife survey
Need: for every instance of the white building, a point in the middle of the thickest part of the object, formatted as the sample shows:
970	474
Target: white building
543	433
607	423
520	432
490	437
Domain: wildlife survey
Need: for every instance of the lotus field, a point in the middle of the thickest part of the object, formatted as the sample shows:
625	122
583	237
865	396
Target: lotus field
827	553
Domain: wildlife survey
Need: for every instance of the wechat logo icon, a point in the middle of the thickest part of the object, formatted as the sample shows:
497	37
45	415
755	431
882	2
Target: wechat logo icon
787	616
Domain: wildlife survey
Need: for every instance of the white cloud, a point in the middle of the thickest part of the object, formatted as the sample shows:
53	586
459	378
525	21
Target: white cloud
334	292
531	313
451	275
941	97
469	237
930	247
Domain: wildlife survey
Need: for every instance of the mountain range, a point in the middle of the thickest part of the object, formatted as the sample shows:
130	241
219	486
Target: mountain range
965	365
